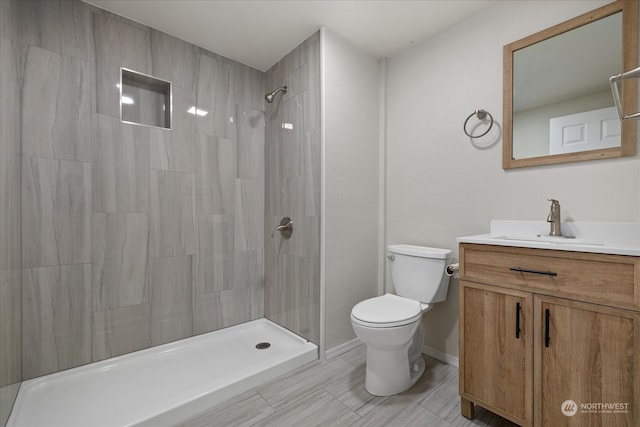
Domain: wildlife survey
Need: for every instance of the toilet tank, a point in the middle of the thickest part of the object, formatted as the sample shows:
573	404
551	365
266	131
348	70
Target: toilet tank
418	272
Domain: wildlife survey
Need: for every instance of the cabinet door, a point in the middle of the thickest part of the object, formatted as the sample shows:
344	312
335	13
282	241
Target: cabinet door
496	352
587	364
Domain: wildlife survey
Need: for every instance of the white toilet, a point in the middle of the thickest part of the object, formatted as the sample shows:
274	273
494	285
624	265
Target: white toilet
390	325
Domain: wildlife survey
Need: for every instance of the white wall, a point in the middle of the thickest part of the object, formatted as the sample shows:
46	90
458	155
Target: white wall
531	127
351	184
440	186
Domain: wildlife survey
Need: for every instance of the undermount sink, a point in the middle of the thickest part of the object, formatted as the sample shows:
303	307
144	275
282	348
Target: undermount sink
560	240
622	238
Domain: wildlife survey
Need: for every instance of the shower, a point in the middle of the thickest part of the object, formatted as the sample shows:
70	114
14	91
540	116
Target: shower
271	95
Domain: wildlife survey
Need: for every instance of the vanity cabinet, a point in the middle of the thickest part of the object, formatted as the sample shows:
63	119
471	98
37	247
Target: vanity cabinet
540	327
496	360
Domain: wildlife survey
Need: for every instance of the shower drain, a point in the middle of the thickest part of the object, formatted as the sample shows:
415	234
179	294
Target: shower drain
263	345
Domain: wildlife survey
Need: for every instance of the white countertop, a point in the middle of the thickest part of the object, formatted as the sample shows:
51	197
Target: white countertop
621	238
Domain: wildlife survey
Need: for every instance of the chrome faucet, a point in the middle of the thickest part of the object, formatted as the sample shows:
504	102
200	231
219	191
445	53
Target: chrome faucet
554	218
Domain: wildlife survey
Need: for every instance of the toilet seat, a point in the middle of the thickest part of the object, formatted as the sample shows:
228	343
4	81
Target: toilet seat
386	311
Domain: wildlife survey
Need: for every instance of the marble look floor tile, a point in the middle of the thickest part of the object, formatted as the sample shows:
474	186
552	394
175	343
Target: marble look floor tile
56	119
318	387
316	409
171	299
120	331
443	398
56	212
357	356
349	389
483	418
289	388
56	328
120	260
436	373
400	411
243	410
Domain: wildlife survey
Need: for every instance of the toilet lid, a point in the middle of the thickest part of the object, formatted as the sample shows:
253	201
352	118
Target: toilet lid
386	309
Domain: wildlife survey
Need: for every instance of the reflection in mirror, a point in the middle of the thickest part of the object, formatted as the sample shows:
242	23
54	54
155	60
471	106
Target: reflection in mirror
580	62
558	105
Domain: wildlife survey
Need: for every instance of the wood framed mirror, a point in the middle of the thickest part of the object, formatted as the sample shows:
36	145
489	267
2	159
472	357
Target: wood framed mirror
557	95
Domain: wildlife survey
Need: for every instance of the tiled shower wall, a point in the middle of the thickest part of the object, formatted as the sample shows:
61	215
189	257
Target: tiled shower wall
131	236
293	150
10	249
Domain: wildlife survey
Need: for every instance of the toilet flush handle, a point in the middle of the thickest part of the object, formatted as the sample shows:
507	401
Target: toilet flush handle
392	257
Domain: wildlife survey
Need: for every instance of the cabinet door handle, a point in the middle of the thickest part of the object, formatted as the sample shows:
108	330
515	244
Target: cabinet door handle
547	338
517	320
527	270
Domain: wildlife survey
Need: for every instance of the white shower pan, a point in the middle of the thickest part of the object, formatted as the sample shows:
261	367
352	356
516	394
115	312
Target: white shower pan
163	385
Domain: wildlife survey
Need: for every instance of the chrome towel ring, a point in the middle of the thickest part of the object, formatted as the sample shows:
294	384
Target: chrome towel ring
481	115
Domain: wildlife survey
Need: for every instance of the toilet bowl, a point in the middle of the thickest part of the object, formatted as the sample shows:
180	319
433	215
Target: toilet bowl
391	325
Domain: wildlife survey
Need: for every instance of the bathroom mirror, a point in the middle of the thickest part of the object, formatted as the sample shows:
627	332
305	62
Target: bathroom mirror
558	105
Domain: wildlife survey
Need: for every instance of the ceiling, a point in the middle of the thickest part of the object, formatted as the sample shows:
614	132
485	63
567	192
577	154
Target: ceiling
261	32
580	62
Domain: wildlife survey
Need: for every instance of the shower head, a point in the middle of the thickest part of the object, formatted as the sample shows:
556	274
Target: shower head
271	96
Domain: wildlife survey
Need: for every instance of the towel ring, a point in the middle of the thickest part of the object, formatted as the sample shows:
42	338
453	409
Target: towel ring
481	114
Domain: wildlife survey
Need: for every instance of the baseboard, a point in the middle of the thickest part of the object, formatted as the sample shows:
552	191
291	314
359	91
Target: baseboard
342	348
443	357
429	351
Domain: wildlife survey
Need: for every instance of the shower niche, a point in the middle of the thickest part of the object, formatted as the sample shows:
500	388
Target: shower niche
144	100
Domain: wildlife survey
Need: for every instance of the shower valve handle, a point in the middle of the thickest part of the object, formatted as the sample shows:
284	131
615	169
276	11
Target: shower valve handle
285	228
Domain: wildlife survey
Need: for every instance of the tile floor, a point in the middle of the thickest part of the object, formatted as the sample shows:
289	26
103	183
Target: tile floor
332	393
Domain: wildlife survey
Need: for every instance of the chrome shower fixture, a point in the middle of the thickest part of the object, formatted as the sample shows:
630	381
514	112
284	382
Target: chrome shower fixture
271	96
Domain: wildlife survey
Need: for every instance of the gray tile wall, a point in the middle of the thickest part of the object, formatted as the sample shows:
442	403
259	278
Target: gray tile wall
292	159
117	237
12	59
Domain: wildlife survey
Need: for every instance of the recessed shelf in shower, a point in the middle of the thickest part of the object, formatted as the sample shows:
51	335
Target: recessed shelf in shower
144	100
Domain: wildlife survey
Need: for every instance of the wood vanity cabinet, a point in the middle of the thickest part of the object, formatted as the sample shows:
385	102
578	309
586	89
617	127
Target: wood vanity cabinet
542	327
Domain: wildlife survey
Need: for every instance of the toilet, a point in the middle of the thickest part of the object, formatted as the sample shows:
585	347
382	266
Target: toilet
390	325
